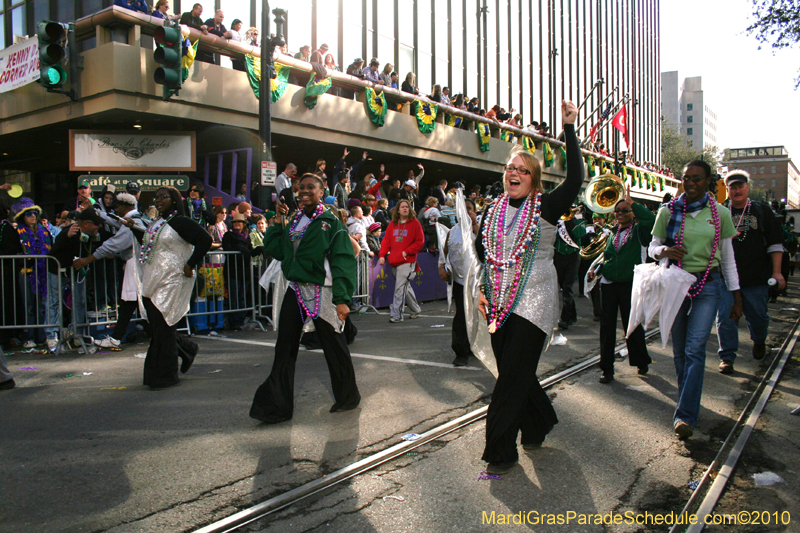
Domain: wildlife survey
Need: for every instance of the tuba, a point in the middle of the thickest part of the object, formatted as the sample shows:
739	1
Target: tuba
596	247
603	193
572	212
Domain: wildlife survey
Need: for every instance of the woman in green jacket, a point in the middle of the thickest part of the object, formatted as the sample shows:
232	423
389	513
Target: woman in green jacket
318	262
623	252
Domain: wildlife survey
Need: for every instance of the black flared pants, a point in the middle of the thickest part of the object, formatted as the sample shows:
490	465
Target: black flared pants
519	403
274	399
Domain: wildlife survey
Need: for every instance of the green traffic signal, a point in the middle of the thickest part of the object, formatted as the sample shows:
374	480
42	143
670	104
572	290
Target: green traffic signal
168	54
51	37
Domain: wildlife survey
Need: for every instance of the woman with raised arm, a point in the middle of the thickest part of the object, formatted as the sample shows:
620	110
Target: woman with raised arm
696	233
317	259
172	247
519	296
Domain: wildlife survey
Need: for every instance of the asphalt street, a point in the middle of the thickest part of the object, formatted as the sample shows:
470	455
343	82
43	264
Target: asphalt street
86	447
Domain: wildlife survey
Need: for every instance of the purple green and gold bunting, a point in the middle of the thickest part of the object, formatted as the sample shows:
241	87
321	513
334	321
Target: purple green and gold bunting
453	120
625	174
277	85
528	144
548	154
188	57
315	88
376	106
426	115
484	134
661	182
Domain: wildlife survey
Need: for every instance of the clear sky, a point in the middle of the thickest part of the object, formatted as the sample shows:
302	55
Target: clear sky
750	90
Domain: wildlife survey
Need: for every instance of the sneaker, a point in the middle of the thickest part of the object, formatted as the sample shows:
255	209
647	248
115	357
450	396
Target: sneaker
759	351
726	367
412	316
683	430
52	344
90	349
29	344
395	320
109	342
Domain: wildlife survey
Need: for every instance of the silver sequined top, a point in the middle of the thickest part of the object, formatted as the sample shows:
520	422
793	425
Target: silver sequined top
162	280
540	303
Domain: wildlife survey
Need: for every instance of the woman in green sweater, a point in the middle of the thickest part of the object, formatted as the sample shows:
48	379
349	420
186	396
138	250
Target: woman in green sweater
317	259
623	252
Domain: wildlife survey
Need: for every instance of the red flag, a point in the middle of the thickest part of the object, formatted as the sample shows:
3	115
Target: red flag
620	121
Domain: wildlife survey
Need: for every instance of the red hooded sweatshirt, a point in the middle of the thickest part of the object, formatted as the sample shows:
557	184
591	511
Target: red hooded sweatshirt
403	237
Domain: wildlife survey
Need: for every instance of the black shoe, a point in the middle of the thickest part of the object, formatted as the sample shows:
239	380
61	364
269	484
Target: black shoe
531	446
759	351
773	300
683	430
563	324
460	361
643	370
500	468
336	408
726	367
166	385
596	318
607	377
257	412
6	385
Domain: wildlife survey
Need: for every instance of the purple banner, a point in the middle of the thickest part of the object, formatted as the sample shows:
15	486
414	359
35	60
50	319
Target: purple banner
427	285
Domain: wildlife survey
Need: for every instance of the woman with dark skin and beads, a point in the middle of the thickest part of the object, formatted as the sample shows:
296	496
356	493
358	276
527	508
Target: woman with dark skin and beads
317	259
696	233
172	247
519	296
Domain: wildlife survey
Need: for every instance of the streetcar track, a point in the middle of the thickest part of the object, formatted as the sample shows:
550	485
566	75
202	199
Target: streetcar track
298	494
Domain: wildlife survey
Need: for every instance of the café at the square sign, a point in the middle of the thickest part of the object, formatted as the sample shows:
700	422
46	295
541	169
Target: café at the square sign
115	151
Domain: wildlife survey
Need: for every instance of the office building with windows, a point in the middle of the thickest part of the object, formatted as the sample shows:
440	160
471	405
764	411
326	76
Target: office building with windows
685	105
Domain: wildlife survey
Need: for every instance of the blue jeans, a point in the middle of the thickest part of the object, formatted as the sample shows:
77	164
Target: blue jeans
54	301
754	305
690	333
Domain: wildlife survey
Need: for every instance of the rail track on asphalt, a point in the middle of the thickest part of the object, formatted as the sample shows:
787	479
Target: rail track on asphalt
701	503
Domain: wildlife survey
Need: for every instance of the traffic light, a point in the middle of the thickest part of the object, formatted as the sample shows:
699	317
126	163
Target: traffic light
51	51
168	55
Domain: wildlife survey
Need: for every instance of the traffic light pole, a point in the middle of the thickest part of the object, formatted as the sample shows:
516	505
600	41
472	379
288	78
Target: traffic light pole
268	45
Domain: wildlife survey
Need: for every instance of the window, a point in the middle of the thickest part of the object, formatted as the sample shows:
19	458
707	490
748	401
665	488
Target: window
689	108
773	169
761	183
690	119
761	169
773	182
689	131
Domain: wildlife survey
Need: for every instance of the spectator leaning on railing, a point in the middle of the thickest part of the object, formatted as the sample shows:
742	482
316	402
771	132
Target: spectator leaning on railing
193	20
160	11
371	72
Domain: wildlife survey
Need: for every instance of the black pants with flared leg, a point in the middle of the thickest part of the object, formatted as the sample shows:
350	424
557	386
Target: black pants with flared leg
460	340
617	298
161	363
567	272
519	403
274	399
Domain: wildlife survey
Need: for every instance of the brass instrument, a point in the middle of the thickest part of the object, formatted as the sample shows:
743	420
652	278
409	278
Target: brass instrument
603	193
597	246
572	212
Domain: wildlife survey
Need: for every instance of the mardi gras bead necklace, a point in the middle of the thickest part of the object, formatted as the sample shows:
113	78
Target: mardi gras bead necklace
507	270
697	287
627	231
294	233
309	314
150	238
742	235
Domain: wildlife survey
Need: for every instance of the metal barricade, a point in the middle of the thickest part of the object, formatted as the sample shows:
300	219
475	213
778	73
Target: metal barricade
362	284
225	289
32	297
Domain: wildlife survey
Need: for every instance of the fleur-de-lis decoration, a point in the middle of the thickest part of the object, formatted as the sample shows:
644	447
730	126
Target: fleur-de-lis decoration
419	278
382	277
